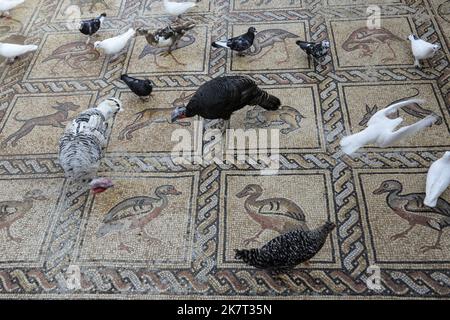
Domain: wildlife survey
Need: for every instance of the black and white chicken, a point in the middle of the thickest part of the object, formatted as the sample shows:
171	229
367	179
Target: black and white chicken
90	27
220	97
316	50
287	250
142	88
239	43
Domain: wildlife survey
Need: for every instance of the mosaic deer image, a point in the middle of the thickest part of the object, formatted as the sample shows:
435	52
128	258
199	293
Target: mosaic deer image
414	110
56	119
268	38
285	116
364	39
149	116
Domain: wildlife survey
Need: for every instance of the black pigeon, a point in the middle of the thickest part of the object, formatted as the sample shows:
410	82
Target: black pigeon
288	250
220	97
240	43
317	50
142	88
90	27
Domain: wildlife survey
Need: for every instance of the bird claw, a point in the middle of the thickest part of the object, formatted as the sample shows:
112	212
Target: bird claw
428	248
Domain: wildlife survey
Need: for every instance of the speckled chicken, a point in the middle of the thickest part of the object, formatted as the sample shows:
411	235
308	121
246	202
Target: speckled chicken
288	250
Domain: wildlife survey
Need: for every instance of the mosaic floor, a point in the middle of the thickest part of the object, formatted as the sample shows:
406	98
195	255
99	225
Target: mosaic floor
187	251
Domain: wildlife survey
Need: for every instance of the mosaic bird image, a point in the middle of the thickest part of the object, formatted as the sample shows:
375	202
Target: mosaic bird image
267	39
57	119
165	40
444	11
286	116
365	38
74	55
147	117
276	214
135	213
284	252
411	208
91	3
11	211
413	109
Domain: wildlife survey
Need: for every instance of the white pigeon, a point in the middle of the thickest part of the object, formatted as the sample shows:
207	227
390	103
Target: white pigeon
380	129
11	51
438	179
422	49
177	8
116	44
6	5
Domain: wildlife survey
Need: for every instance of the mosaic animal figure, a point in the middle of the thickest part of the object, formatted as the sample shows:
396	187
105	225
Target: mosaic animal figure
136	213
91	3
413	109
268	38
11	211
364	39
262	2
56	119
444	11
277	214
285	116
411	208
73	55
149	116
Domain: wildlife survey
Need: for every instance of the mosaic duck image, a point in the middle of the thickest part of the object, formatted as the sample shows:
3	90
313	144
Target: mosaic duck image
277	214
74	55
411	208
57	119
286	116
413	109
364	39
11	211
149	116
136	213
268	38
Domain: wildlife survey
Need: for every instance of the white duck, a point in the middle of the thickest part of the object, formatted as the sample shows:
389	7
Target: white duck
11	51
380	129
6	5
177	8
438	179
116	44
422	49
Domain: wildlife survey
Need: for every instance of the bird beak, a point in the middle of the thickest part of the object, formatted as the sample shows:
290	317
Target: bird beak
178	113
380	190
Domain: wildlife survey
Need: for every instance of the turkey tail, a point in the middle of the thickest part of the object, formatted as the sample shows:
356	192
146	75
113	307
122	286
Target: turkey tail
267	101
242	254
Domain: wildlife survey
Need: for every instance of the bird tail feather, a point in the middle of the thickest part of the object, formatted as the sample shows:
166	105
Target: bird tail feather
302	44
219	44
267	101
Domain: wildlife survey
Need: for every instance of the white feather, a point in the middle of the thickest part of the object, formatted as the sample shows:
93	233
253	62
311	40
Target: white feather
116	44
9	50
222	43
6	5
438	179
380	129
177	8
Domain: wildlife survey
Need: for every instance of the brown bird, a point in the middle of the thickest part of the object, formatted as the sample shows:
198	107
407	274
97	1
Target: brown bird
11	211
73	54
277	214
167	37
136	213
411	208
363	39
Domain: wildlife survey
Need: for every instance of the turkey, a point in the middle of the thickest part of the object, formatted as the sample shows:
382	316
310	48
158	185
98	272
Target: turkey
81	147
220	97
287	250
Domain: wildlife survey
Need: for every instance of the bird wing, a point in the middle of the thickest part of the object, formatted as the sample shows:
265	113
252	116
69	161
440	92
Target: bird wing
416	205
239	43
131	207
7	208
273	207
